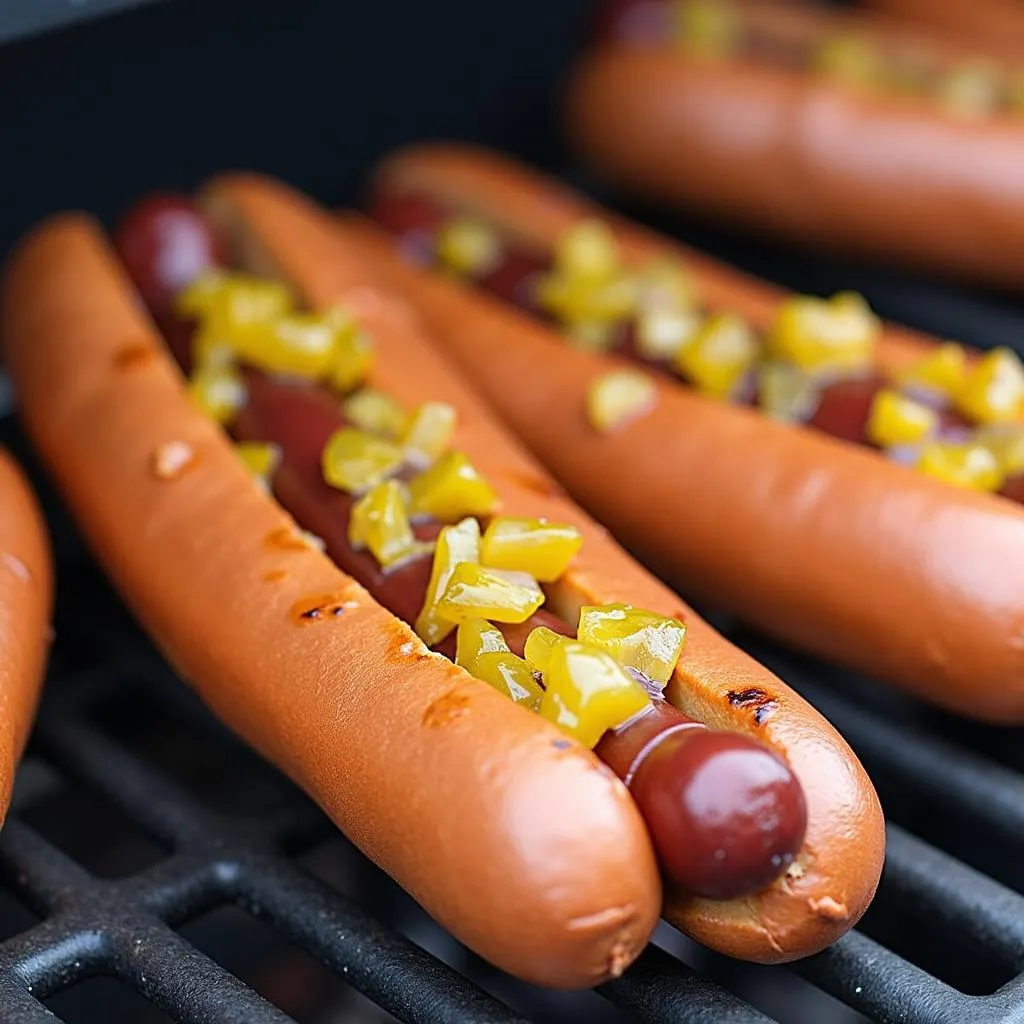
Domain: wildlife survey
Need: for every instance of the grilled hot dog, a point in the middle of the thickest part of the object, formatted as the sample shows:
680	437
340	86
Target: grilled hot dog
481	810
817	540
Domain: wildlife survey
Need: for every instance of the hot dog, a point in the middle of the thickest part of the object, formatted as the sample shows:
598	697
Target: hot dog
998	24
837	129
818	541
510	833
26	597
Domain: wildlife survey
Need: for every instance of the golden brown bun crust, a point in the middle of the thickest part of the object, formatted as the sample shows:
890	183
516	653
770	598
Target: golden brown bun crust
995	23
526	847
26	598
815	540
842	856
792	155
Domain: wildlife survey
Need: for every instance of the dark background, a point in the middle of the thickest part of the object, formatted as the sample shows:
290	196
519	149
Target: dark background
315	91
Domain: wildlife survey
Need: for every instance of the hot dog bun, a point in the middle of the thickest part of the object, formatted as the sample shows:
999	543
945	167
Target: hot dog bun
837	870
792	154
26	598
523	845
815	540
995	23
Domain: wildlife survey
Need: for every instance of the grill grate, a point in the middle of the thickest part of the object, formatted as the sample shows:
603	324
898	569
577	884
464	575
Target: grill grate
944	943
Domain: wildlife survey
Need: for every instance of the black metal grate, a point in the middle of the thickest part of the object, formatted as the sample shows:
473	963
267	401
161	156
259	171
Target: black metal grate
138	818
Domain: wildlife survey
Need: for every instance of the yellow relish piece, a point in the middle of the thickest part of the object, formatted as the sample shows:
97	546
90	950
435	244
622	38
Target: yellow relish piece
993	390
355	461
540	642
785	392
296	344
219	391
587	251
574	299
429	430
721	353
450	489
380	522
964	465
468	245
536	546
943	370
587	692
591	335
1006	442
848	58
635	638
352	358
664	283
259	457
481	650
662	332
475	637
618	397
454	546
895	419
708	27
375	412
476	592
971	90
825	335
234	300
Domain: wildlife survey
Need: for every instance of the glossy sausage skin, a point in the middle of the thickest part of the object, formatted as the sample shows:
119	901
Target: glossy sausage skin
833	163
717	849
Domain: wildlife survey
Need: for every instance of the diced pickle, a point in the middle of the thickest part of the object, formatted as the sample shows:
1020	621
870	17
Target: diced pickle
663	332
451	488
826	335
379	521
475	637
587	692
942	371
587	250
591	335
455	545
376	412
235	301
429	430
618	397
849	59
219	391
993	390
468	246
635	638
720	355
574	299
540	642
476	592
964	465
1006	442
710	28
355	461
785	392
971	90
895	420
538	547
297	344
509	675
351	359
259	457
664	283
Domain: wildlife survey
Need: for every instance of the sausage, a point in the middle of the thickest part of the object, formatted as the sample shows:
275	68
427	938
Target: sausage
869	172
994	24
818	542
826	888
720	850
385	736
26	603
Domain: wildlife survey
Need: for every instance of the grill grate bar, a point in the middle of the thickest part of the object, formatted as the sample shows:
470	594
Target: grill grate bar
45	876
